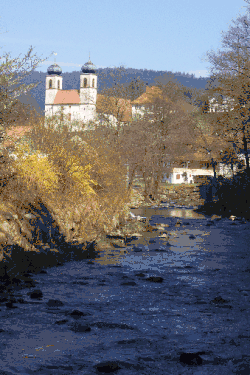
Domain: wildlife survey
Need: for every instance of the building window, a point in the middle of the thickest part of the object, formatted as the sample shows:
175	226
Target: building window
50	84
178	176
58	85
93	83
85	82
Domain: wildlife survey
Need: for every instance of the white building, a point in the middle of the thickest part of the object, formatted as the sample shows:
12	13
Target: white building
226	104
71	105
186	175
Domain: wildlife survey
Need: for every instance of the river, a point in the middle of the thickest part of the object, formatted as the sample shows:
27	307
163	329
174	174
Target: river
173	304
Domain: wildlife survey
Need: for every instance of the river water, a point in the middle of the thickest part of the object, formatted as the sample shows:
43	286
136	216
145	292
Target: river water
173	305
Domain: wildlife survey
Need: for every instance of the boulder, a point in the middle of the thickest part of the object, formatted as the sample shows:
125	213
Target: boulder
155	279
191	359
54	303
35	294
108	367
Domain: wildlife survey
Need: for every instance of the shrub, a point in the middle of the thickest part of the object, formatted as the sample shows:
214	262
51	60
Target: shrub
80	179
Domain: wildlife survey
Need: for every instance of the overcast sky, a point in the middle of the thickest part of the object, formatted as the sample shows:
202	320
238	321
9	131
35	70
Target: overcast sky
169	35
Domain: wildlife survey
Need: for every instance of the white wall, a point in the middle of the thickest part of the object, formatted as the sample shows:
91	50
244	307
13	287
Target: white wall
79	112
190	174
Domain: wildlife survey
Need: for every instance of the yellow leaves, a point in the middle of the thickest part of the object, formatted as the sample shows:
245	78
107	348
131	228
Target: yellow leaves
80	175
37	170
42	172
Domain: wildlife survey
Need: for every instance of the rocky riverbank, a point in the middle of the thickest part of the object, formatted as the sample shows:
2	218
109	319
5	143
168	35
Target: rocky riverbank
181	195
53	248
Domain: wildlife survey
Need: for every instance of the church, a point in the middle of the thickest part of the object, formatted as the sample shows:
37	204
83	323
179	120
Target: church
71	105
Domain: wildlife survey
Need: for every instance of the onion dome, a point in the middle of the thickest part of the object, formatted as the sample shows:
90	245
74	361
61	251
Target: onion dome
88	67
54	69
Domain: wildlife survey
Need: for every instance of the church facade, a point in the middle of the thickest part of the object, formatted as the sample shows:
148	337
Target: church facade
72	105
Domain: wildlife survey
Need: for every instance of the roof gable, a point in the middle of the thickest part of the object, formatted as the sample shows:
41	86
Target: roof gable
148	96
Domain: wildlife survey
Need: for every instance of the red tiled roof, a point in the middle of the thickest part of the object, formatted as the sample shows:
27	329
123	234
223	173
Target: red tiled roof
67	97
148	96
155	92
13	134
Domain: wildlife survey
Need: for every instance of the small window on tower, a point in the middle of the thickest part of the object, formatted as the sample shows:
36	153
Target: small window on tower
93	83
50	84
85	82
58	85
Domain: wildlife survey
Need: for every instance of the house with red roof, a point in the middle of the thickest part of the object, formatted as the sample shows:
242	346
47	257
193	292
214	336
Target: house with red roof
144	103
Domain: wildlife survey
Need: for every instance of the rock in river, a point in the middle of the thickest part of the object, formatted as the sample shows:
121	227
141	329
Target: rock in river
37	293
107	367
78	327
54	303
191	359
155	279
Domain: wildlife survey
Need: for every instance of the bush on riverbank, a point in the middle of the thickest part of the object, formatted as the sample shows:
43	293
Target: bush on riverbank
82	187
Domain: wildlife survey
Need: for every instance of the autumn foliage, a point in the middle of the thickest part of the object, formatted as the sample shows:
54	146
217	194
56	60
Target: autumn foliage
76	176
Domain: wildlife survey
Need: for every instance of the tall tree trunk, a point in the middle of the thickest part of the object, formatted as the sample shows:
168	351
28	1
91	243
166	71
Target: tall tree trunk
131	176
147	187
245	149
157	180
214	163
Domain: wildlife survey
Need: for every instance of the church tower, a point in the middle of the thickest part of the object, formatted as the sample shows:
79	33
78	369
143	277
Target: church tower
88	91
53	85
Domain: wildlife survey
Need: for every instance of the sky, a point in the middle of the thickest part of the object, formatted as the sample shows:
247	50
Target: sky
168	35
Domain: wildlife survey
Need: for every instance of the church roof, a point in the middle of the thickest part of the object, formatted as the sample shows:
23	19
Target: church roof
67	97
